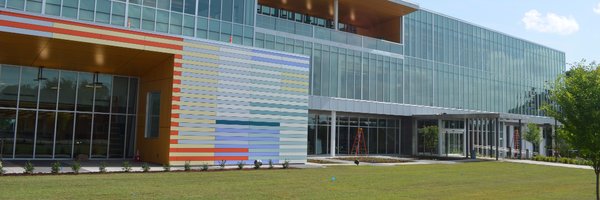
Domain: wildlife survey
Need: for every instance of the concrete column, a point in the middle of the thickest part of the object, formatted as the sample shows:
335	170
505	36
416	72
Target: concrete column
465	135
336	14
415	139
497	137
441	141
332	137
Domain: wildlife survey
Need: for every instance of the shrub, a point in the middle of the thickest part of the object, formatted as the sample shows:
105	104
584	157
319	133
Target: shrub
55	168
76	166
167	167
257	164
187	166
102	167
240	164
126	166
270	164
286	164
222	164
28	167
204	167
145	167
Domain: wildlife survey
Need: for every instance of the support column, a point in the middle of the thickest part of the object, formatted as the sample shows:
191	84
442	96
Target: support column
336	14
332	137
440	138
520	141
497	137
465	135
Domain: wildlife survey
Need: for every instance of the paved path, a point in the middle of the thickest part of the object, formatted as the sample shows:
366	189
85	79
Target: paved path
548	164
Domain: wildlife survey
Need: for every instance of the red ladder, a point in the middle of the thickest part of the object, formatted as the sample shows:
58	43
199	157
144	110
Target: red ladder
359	143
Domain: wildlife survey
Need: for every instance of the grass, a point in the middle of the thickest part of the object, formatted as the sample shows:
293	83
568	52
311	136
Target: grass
481	180
372	159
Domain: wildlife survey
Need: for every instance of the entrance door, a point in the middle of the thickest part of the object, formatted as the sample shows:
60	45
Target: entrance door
454	142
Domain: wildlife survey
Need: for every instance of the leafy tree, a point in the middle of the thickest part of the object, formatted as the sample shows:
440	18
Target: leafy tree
576	98
430	137
533	135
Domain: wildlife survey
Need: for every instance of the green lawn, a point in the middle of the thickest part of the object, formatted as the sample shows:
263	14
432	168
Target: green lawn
482	180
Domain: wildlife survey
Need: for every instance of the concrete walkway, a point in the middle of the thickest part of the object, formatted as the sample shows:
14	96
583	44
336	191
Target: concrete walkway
547	164
402	161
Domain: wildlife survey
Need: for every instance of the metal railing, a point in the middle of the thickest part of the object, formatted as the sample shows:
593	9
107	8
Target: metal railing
288	26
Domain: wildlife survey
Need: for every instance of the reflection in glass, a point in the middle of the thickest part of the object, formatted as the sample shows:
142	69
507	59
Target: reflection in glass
45	135
83	126
133	86
64	135
103	86
85	91
130	137
7	132
48	88
117	136
100	136
25	134
311	139
119	96
322	140
68	89
29	88
9	86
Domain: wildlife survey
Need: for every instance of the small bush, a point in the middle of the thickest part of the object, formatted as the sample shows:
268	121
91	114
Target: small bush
102	167
167	167
270	164
187	166
222	164
28	167
257	164
204	167
241	164
55	168
145	167
286	164
126	166
76	166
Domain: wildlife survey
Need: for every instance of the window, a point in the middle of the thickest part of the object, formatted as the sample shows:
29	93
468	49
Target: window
152	114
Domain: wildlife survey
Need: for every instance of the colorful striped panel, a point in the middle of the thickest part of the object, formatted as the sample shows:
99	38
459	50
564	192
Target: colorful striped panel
230	97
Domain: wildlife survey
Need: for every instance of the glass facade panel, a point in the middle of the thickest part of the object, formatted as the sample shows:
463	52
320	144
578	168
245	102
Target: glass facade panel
7	132
100	136
25	134
9	91
45	130
64	135
381	134
44	138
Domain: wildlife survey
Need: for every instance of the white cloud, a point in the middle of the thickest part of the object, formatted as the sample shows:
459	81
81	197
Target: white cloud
550	23
597	9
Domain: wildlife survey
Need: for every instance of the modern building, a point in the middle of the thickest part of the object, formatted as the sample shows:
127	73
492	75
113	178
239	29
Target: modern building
239	80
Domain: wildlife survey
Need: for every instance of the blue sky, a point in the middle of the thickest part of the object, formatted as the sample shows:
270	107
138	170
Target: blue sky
572	26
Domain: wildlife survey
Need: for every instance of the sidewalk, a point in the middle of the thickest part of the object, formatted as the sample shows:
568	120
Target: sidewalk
547	164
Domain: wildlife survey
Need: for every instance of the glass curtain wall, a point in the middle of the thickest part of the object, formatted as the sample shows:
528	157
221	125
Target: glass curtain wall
382	134
230	21
54	114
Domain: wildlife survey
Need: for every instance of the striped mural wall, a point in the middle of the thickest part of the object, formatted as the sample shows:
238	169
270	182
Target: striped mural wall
230	102
239	104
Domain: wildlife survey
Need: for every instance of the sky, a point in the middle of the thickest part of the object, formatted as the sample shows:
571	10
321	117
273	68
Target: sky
571	26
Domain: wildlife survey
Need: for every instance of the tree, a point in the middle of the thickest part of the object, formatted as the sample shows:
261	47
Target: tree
430	137
576	99
533	135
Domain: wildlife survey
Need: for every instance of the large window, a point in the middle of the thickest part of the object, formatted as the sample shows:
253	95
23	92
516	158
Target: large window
381	134
50	114
152	114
